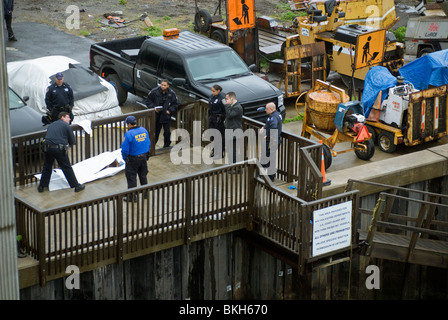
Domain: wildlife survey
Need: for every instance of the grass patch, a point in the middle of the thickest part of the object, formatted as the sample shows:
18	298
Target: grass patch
154	31
84	33
299	117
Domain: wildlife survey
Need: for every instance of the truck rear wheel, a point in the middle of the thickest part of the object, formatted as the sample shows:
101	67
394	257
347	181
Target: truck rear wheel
386	142
122	94
424	52
368	153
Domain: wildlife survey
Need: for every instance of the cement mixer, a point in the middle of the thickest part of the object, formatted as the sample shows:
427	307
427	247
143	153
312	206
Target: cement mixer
329	111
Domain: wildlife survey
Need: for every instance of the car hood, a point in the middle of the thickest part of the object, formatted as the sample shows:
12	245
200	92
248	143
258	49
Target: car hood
247	88
25	120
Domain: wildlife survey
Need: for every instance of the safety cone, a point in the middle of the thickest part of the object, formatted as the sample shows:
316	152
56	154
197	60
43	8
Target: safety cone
326	182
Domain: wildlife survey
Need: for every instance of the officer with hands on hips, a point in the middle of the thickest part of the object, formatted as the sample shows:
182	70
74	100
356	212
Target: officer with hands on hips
135	151
59	97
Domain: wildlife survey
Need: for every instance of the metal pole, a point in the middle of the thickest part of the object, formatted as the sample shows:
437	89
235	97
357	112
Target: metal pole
9	276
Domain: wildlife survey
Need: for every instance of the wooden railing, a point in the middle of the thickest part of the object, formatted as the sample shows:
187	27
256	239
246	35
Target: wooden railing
418	233
107	135
292	151
107	230
288	220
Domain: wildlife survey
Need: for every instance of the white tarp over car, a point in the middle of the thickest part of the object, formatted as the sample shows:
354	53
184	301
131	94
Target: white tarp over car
95	98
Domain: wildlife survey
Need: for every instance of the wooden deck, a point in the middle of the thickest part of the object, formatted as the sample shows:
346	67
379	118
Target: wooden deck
160	168
395	247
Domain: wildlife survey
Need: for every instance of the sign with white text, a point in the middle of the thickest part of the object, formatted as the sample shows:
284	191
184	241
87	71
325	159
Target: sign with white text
332	228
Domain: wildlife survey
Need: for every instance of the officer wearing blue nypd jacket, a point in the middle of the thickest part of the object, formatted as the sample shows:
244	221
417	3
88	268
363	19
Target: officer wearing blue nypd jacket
272	134
135	151
59	97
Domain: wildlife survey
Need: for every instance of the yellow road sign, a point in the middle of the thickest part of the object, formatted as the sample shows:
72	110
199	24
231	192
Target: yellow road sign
370	48
241	14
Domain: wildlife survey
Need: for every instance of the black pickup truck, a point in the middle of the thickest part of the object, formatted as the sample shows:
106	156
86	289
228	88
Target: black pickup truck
191	63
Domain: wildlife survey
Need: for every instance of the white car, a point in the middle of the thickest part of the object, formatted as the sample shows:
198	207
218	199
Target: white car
94	97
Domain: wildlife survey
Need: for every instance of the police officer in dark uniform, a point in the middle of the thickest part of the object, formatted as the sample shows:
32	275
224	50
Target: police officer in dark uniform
59	97
135	151
272	134
59	137
8	8
164	100
216	116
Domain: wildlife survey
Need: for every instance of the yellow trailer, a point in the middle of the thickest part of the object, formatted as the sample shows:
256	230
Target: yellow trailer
409	118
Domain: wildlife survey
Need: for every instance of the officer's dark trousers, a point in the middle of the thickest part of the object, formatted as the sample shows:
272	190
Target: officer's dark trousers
166	133
8	19
214	123
266	161
134	168
64	163
234	155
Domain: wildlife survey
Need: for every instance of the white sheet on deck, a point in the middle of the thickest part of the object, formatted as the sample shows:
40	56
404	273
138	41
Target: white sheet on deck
88	170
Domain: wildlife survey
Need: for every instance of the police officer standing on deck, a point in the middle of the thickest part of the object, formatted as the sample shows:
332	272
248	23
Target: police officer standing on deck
164	100
59	137
59	97
135	151
272	134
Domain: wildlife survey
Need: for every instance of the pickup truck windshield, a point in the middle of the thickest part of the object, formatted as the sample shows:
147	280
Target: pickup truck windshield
216	65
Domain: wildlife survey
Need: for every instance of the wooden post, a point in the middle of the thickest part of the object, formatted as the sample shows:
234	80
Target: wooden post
41	248
188	206
119	230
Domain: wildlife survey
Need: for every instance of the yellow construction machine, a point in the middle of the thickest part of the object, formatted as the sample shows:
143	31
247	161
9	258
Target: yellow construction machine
351	49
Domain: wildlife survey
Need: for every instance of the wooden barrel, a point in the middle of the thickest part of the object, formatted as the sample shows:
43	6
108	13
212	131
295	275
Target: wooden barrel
322	106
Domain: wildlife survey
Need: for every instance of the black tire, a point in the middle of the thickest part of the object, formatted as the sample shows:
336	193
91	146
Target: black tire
202	20
122	94
366	154
328	158
373	133
218	35
386	142
424	52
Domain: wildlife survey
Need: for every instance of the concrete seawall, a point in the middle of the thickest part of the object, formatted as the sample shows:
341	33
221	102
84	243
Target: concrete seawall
403	170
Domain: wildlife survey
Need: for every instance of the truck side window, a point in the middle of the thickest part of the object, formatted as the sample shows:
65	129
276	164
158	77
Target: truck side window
151	58
173	67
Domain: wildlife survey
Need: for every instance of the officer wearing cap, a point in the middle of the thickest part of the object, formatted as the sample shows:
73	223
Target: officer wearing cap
59	97
135	151
58	138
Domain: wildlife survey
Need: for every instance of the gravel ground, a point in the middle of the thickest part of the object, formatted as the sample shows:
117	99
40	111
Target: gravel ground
162	14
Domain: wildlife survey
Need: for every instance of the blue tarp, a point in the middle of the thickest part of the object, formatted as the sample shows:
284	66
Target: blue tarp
431	69
376	80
